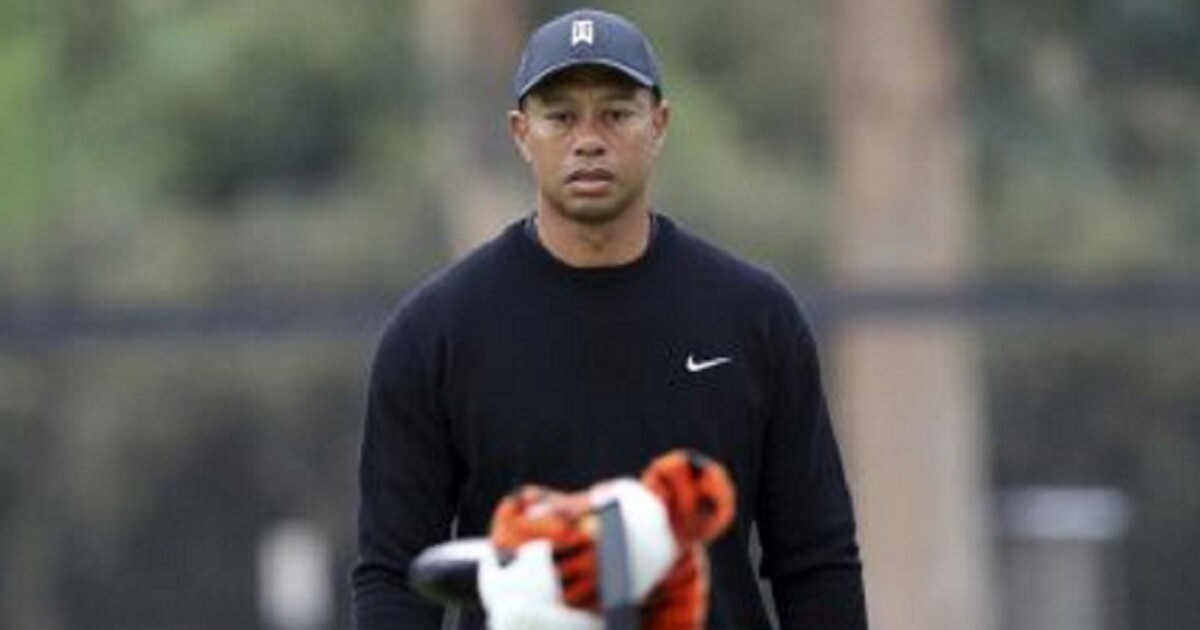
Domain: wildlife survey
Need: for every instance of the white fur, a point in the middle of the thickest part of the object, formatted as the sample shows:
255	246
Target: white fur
652	547
525	594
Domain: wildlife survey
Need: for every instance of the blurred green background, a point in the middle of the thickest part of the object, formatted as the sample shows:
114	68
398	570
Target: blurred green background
207	208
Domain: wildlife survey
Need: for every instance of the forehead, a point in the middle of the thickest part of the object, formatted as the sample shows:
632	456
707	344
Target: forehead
560	84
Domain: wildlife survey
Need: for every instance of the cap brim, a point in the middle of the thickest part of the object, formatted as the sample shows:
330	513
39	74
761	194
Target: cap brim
533	82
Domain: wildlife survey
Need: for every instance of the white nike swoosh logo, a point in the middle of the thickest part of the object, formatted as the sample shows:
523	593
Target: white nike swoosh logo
699	366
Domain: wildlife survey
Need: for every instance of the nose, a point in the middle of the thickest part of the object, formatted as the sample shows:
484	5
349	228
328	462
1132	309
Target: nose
589	142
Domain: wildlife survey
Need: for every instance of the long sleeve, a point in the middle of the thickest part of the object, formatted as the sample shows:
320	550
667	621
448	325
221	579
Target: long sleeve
804	510
409	477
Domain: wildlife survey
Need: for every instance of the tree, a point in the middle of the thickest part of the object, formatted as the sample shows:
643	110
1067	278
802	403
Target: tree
908	390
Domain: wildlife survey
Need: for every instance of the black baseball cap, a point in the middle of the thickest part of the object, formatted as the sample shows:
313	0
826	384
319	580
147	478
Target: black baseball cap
586	36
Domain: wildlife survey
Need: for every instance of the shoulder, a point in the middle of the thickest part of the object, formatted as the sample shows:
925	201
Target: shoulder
720	270
433	304
750	292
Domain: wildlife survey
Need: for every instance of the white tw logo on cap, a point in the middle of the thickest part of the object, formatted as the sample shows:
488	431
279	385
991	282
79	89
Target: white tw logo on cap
581	32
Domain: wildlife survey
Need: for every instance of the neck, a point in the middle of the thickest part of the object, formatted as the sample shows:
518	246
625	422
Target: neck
618	241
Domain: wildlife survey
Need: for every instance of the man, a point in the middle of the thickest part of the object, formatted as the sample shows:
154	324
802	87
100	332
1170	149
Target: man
590	337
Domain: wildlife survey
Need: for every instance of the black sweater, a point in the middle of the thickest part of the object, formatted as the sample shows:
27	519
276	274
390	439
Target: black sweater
512	367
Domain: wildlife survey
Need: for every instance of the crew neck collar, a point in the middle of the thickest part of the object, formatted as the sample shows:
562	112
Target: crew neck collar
524	232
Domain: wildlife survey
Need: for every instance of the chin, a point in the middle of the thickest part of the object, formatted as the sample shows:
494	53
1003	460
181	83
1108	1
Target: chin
592	216
593	211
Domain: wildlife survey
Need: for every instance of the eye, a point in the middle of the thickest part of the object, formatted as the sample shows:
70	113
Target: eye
619	114
561	116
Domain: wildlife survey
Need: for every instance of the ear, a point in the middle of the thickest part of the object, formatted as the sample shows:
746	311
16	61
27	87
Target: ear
660	117
518	126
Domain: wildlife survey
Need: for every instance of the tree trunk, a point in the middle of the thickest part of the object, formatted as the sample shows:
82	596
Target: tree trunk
907	391
468	48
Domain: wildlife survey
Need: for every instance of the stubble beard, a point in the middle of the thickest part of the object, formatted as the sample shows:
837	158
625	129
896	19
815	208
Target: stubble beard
594	211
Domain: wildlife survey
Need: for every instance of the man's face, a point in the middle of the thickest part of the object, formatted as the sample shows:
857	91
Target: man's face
590	135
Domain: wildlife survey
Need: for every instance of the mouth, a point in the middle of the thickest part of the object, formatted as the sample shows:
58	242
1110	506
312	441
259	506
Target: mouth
590	175
587	181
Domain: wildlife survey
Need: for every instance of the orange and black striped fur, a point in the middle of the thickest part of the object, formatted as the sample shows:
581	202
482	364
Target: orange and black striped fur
699	500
